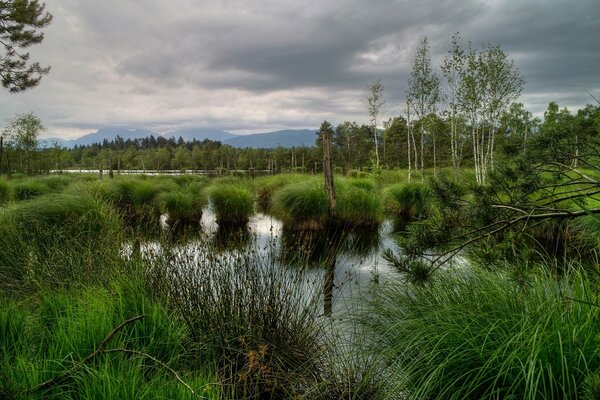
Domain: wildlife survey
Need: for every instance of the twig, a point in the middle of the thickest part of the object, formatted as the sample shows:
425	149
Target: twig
100	349
162	364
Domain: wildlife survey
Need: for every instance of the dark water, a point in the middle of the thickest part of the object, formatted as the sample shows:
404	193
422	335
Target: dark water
344	265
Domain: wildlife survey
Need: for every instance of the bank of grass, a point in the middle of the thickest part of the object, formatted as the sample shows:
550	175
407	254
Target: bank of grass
5	192
303	205
135	198
407	202
57	238
232	203
480	334
184	204
266	186
51	335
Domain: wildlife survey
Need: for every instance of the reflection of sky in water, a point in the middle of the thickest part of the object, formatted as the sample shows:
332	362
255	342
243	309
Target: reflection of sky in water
359	266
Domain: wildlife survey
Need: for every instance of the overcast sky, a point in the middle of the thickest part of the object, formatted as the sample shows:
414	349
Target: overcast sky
261	65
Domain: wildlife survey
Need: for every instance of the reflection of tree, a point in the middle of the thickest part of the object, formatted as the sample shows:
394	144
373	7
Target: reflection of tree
321	248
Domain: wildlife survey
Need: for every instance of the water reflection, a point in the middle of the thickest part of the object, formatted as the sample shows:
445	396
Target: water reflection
342	264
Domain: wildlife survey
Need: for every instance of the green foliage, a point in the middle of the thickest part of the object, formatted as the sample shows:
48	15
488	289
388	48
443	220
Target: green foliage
29	188
42	338
477	334
232	204
5	191
408	202
20	22
302	205
358	204
136	199
183	205
266	186
56	240
256	321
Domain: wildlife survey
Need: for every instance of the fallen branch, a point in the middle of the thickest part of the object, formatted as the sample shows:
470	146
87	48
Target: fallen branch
59	378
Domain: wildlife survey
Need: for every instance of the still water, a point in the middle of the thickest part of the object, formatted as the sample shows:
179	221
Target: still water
344	266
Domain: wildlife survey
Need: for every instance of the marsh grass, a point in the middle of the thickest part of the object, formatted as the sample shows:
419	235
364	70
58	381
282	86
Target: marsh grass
303	205
266	186
57	239
407	202
257	322
29	188
136	199
480	334
45	336
183	205
233	204
359	205
5	191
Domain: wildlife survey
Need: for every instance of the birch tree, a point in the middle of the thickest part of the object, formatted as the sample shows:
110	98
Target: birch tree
423	96
489	83
375	102
452	69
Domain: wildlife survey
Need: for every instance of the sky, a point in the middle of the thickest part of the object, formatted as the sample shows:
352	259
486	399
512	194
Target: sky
263	65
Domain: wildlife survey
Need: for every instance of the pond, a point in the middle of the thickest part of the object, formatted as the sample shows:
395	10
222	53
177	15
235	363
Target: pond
342	265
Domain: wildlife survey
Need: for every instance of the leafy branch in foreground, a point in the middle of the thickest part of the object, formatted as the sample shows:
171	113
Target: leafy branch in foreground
20	21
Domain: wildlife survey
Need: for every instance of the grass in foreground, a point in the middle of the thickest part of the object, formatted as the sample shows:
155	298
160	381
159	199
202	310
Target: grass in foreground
481	335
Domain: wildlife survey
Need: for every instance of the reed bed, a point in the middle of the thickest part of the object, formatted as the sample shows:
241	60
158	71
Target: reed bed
480	334
183	205
57	239
233	204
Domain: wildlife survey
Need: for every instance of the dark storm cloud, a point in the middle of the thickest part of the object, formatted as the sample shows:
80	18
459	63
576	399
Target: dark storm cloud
272	64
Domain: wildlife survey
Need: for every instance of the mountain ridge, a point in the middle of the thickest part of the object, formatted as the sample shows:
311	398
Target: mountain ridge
272	139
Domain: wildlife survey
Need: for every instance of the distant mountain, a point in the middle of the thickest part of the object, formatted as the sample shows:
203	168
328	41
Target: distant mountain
270	140
111	133
189	134
99	136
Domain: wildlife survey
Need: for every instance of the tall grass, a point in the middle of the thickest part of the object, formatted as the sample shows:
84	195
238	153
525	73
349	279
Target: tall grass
42	338
135	198
266	186
183	205
303	205
233	204
482	335
358	204
28	189
57	239
5	191
255	320
407	202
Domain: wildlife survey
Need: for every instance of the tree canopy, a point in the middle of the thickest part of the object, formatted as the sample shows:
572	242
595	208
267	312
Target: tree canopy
20	24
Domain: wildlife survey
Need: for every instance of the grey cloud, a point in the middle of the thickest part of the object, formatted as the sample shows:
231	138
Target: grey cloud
240	64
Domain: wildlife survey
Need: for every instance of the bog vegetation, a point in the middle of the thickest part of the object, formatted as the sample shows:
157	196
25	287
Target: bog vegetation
116	286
